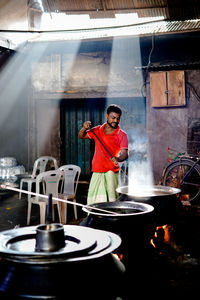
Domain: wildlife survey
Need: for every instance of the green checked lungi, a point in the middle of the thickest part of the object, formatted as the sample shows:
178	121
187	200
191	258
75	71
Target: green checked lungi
102	187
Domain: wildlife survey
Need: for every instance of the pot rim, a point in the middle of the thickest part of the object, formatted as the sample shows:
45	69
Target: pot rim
165	191
148	208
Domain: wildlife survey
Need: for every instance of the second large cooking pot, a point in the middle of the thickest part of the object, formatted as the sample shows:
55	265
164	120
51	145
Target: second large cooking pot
164	199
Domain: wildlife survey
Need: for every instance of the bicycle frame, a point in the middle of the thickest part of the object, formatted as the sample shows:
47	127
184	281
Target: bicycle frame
188	173
184	173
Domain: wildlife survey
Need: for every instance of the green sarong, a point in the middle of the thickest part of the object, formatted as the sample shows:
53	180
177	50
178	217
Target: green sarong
102	187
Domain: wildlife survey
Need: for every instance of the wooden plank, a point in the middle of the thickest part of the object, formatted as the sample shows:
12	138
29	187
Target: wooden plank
167	88
158	89
176	88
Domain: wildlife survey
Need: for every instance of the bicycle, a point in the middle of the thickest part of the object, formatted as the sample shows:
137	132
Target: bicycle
184	173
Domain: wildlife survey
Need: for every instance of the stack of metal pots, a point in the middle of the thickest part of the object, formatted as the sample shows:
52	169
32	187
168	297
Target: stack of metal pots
9	169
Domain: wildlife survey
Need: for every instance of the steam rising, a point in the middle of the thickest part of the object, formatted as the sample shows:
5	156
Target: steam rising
139	178
137	171
140	169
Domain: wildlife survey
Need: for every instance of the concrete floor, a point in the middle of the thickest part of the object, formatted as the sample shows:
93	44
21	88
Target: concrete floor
13	211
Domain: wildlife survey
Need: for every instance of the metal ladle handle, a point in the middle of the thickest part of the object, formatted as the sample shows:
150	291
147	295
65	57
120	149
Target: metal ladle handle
49	215
101	143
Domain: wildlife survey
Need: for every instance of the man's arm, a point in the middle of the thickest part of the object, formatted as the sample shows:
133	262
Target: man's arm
83	132
123	156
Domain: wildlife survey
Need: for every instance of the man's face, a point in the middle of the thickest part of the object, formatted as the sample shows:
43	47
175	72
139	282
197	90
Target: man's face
113	119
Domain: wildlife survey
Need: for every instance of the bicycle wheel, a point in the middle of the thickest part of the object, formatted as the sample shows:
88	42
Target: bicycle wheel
174	173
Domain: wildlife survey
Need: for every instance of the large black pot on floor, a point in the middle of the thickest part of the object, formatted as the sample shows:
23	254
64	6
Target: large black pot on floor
164	199
133	222
59	262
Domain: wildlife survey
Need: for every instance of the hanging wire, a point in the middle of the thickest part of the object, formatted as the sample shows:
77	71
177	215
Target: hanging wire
148	65
149	59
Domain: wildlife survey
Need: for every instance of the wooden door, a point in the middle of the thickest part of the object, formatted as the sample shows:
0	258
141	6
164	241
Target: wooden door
167	88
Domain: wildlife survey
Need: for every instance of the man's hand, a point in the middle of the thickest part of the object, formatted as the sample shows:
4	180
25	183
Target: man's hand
83	132
123	156
114	159
87	125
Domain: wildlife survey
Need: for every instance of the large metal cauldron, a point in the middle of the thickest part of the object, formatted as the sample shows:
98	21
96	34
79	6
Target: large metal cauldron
164	199
59	262
133	222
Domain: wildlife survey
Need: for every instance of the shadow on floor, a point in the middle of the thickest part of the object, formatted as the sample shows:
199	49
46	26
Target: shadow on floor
13	212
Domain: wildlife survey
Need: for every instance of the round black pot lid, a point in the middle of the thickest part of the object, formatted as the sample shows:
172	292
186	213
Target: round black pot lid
80	243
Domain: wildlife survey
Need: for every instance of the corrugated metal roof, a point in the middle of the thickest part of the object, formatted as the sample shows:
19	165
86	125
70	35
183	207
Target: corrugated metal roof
13	39
153	28
169	65
169	9
169	26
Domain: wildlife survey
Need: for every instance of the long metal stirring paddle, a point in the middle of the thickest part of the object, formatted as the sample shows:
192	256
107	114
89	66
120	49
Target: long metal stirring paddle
101	143
3	186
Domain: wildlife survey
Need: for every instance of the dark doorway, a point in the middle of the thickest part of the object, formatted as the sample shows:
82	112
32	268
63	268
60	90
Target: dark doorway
74	112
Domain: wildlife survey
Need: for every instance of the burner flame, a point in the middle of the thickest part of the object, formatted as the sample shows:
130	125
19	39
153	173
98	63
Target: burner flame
161	235
118	256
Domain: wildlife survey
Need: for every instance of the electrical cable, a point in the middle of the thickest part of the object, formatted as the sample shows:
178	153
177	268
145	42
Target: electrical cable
149	58
148	65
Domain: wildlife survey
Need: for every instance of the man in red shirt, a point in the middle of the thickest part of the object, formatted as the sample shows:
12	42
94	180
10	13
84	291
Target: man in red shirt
106	168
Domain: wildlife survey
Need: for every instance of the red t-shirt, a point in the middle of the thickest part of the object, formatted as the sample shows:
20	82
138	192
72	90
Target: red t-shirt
114	142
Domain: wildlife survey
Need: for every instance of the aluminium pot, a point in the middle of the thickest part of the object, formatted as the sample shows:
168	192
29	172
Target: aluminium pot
8	162
164	199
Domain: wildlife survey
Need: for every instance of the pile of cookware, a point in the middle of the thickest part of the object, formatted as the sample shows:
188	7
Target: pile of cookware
9	169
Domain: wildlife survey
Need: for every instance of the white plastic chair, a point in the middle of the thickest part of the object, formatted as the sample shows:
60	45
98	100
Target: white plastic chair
51	182
72	173
40	165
